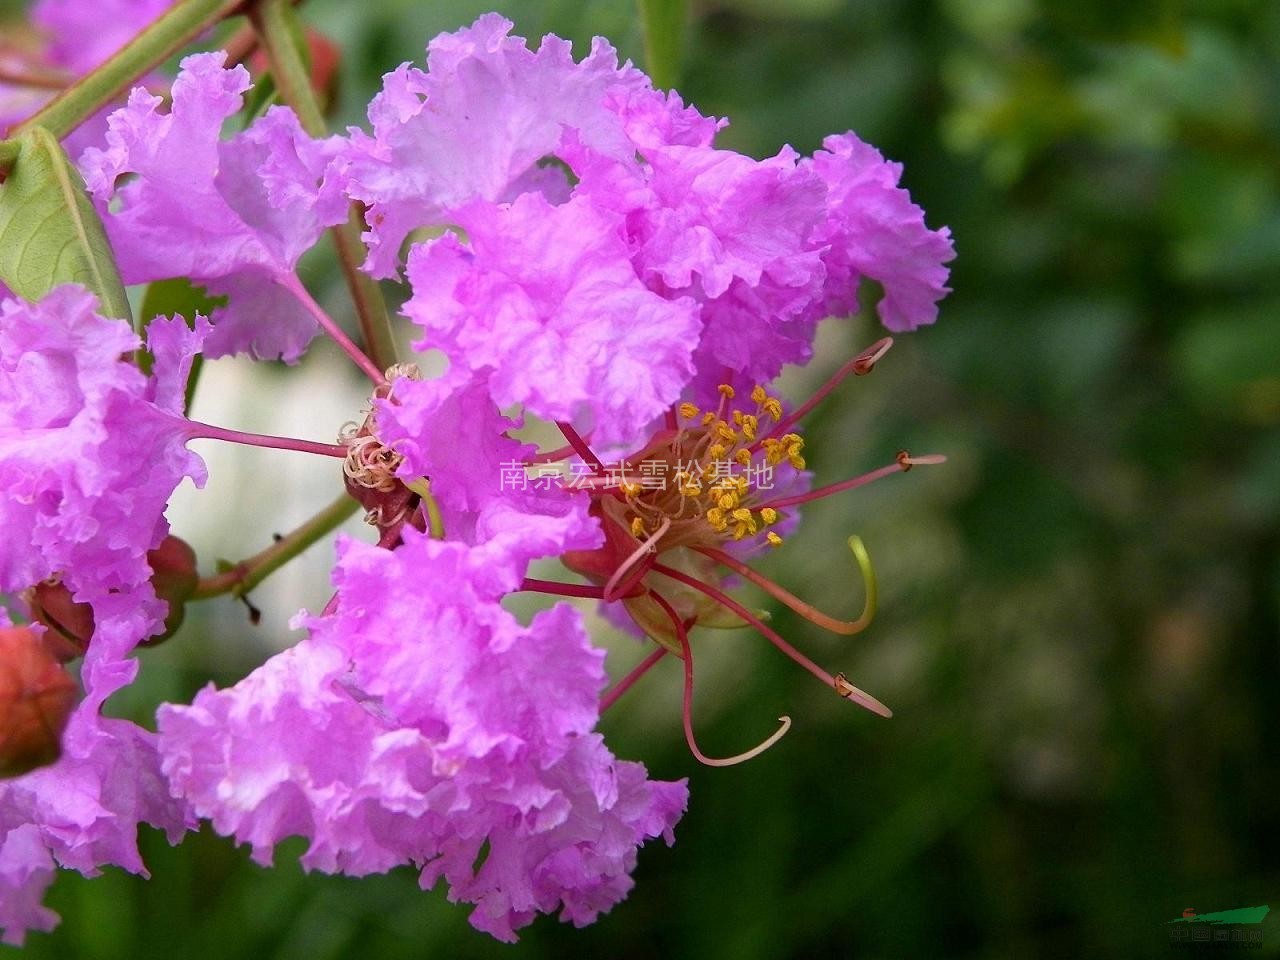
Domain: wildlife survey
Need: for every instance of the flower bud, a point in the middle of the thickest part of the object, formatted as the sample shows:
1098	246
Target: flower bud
70	624
173	577
37	696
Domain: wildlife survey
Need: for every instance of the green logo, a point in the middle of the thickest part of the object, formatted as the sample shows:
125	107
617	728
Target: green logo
1241	927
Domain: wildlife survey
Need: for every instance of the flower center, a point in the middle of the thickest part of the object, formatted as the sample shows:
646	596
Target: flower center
705	481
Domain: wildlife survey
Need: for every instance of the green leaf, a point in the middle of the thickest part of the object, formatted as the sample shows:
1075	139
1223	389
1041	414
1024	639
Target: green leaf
50	233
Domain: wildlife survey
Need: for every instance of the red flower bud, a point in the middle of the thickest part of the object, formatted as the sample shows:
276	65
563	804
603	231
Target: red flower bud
173	576
70	624
37	696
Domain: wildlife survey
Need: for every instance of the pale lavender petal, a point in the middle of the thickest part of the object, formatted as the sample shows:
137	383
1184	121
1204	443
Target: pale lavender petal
418	723
875	230
544	301
90	450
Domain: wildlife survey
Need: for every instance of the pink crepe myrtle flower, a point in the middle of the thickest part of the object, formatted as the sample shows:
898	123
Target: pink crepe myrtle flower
90	448
591	259
420	722
82	812
234	216
482	120
601	255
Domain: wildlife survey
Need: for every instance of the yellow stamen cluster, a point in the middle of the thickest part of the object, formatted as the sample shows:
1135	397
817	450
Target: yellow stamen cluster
710	494
787	447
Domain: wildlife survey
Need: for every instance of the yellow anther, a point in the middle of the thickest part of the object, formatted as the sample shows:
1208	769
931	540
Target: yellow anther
773	407
793	440
746	523
773	539
737	417
707	418
749	424
726	432
637	527
769	515
630	489
758	394
726	391
691	490
796	461
716	451
715	517
727	501
743	456
688	411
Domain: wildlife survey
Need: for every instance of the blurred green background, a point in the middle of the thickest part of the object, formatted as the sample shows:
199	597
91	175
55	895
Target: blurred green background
1079	612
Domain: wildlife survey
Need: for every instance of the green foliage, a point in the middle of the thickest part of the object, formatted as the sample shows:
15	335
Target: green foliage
1078	614
49	232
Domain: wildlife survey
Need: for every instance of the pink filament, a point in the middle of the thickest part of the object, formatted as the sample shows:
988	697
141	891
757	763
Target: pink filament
858	366
686	711
626	683
846	689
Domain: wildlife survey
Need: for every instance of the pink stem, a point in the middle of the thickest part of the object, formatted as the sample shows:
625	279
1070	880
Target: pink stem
612	695
555	588
291	283
580	446
206	431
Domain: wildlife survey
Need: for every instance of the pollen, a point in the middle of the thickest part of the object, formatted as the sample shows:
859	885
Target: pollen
689	411
769	516
773	539
637	527
726	391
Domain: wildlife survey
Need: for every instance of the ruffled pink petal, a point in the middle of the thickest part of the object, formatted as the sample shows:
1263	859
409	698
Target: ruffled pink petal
544	302
421	722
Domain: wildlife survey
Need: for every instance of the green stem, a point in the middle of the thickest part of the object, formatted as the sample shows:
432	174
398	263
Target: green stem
663	22
371	308
281	36
171	31
9	150
247	574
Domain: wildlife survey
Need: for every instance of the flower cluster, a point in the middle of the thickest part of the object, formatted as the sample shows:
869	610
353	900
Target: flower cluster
583	254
